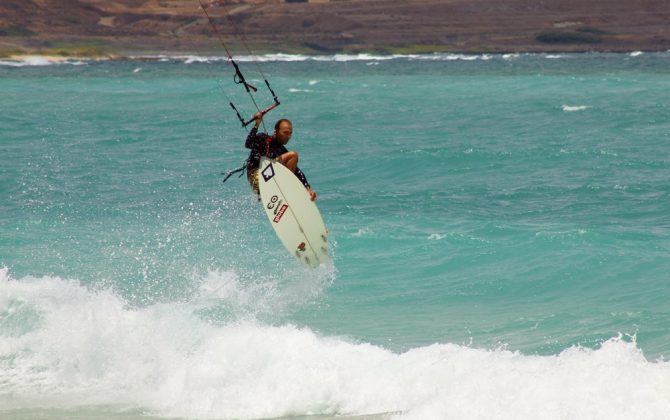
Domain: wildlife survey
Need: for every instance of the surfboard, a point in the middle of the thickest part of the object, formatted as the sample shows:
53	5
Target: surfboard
294	217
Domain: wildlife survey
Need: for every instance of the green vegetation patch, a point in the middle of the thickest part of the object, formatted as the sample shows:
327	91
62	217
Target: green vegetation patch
561	37
14	30
81	49
592	30
83	52
6	53
416	49
89	48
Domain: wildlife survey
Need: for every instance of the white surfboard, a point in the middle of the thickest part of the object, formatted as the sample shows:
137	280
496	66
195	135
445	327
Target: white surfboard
294	217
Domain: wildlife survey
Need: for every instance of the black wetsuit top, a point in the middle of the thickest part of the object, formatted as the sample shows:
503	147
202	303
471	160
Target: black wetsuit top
260	146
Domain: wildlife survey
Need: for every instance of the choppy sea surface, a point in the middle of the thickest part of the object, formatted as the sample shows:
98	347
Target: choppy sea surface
500	227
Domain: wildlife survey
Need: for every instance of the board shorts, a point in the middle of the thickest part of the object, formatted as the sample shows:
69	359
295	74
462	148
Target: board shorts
252	176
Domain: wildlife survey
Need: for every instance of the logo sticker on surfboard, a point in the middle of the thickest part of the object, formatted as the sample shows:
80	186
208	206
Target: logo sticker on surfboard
280	213
268	173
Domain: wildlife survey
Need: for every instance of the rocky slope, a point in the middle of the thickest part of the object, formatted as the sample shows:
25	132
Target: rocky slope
152	26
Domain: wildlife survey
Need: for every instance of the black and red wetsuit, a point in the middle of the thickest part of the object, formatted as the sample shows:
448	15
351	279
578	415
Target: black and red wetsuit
261	144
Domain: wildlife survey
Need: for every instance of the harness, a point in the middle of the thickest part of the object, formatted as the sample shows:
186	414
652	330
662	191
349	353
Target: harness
268	140
228	174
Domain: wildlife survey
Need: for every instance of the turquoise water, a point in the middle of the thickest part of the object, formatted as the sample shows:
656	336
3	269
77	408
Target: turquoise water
500	229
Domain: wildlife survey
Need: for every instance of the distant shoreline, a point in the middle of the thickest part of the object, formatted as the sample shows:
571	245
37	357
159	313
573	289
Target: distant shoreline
87	49
50	58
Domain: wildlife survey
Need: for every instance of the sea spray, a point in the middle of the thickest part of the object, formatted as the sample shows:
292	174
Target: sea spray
87	347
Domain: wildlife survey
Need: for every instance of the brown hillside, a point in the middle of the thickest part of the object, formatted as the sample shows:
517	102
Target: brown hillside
339	25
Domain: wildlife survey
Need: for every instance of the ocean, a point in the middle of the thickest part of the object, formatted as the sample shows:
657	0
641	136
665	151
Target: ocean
499	225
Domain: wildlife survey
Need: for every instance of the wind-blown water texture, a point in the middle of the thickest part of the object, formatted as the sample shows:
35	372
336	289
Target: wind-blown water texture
499	224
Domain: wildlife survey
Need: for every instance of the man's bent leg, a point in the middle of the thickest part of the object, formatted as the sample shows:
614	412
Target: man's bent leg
290	160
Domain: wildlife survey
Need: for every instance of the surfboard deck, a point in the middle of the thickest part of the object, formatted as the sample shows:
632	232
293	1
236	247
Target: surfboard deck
294	217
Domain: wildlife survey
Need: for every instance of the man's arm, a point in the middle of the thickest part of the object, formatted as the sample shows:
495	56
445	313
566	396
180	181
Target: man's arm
252	142
301	176
252	139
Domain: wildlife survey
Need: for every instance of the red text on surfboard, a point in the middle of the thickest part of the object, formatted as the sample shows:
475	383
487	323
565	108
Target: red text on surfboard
280	213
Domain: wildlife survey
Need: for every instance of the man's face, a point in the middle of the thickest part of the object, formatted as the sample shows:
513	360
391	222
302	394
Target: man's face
284	132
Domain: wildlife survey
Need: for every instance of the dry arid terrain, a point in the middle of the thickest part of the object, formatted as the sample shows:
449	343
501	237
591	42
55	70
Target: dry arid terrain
119	27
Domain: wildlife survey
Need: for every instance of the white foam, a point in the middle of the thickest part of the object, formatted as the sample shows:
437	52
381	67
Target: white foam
198	59
370	59
511	56
571	108
40	60
88	347
364	231
29	61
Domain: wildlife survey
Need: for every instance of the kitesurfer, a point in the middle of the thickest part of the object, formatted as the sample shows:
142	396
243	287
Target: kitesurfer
273	147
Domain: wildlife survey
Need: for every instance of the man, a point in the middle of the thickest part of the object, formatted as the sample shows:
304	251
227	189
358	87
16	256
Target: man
273	147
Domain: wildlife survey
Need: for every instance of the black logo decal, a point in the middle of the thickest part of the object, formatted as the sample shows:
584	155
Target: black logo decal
268	173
